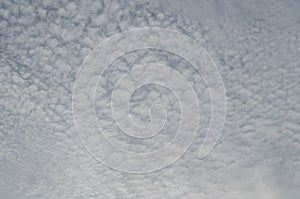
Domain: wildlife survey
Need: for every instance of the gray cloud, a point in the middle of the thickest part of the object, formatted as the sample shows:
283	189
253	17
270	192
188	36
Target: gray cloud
256	47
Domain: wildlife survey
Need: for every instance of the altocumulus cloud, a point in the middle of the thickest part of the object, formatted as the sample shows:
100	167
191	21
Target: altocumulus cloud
256	46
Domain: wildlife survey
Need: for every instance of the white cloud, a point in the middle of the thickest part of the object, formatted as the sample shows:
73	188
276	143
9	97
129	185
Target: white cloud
256	47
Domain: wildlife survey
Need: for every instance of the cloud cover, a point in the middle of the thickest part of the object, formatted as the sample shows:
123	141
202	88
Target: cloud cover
256	47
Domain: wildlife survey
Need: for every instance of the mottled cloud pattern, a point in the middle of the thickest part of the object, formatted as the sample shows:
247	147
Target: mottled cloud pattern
256	46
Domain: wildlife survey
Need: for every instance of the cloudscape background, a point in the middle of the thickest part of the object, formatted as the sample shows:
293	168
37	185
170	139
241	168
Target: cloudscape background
256	46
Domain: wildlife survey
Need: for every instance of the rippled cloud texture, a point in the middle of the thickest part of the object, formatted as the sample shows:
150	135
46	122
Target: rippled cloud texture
256	46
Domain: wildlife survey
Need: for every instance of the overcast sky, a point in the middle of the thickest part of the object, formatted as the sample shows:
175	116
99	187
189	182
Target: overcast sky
255	46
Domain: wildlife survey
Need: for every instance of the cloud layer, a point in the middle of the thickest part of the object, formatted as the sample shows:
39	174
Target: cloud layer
256	47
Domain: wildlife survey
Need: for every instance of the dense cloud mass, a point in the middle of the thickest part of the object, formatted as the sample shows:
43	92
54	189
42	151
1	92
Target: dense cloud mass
256	46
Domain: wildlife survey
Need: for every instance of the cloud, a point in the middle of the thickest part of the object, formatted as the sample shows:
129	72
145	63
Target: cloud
256	47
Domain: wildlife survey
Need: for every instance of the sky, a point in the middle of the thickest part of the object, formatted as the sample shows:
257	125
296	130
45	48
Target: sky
70	68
